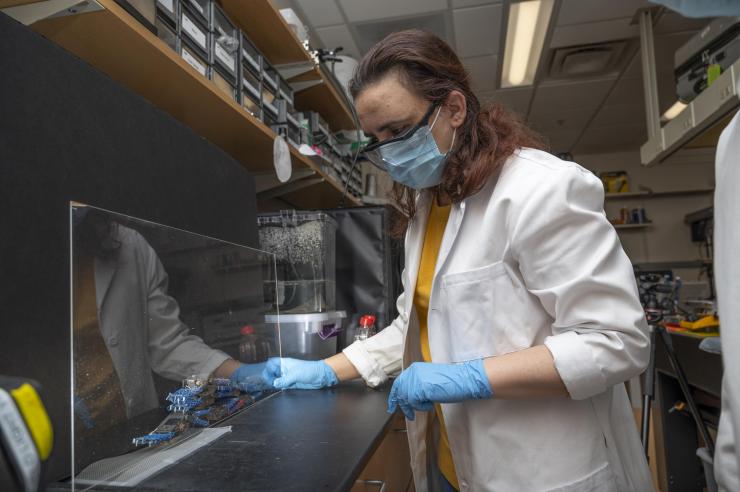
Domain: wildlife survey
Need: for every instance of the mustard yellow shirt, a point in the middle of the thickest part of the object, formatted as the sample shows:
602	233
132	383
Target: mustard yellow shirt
430	251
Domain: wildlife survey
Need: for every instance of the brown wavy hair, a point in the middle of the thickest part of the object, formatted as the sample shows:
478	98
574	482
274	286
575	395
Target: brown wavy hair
428	67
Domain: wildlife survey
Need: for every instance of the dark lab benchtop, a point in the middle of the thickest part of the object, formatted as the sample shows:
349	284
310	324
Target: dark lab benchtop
293	440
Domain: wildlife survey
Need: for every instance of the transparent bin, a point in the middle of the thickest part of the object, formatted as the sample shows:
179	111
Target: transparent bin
304	244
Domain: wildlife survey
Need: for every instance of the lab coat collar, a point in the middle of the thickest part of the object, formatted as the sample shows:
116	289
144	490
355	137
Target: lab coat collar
414	244
415	240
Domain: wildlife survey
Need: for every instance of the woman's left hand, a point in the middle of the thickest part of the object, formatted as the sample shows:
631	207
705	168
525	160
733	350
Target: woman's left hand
423	384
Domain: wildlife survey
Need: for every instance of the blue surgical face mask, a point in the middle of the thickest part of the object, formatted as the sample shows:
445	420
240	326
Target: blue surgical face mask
416	161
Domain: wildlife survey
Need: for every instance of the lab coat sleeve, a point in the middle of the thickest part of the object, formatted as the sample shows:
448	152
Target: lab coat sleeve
173	353
570	258
379	357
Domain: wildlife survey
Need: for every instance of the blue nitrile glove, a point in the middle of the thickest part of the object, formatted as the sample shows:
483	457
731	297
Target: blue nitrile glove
299	374
423	384
251	378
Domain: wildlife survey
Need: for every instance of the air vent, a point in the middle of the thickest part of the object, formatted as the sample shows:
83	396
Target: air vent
587	60
369	33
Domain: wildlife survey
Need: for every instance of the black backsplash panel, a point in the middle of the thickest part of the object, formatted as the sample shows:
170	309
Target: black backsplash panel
68	132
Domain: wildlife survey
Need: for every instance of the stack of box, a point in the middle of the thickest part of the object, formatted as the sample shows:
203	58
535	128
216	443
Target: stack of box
166	23
251	77
226	44
202	33
195	35
289	122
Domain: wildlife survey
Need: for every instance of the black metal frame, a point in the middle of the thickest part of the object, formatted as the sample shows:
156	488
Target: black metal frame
659	333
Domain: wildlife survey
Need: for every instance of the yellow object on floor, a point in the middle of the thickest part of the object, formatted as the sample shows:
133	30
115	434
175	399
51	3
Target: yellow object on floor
430	251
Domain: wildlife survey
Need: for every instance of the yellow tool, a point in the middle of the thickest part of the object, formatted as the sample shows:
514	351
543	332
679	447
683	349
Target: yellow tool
703	323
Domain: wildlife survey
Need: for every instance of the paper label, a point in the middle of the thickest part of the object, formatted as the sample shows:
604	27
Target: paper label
167	4
255	91
197	35
194	62
252	61
197	7
225	56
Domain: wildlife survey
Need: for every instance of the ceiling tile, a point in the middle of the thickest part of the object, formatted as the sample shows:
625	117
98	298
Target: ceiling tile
321	13
482	71
369	33
671	22
580	11
553	98
477	30
627	91
630	91
626	114
364	10
665	49
614	138
593	32
334	36
456	4
515	99
563	121
561	141
634	68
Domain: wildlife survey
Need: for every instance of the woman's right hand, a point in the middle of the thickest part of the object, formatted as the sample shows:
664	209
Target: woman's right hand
286	373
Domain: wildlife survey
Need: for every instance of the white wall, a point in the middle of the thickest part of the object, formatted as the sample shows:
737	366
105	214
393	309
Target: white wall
669	237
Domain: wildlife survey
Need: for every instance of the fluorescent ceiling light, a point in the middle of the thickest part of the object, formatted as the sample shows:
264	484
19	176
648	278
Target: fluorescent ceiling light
673	111
525	36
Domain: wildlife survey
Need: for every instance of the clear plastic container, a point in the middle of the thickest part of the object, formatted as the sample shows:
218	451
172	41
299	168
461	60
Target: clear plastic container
366	328
253	348
305	248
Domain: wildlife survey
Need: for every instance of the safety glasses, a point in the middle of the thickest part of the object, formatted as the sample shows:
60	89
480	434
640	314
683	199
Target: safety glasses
373	150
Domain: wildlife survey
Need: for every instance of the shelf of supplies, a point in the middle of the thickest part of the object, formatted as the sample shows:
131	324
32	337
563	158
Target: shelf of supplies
657	194
115	43
269	31
700	123
633	226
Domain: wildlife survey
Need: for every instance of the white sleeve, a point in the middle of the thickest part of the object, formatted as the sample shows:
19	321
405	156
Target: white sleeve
570	258
727	282
174	353
380	356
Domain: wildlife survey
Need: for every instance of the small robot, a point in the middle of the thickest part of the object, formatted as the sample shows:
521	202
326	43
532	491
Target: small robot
198	403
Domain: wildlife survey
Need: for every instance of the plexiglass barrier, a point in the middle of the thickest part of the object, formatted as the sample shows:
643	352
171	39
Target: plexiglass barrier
161	318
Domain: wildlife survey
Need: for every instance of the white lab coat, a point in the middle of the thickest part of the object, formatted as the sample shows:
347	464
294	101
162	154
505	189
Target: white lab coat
140	324
727	282
529	260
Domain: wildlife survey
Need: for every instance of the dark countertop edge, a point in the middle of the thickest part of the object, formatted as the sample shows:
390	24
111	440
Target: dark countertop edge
349	482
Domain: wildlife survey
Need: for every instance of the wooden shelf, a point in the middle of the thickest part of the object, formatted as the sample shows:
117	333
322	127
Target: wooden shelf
115	43
272	35
267	29
633	226
657	194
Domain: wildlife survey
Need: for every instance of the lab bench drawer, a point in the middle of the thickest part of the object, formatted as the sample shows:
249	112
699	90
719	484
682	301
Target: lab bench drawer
390	465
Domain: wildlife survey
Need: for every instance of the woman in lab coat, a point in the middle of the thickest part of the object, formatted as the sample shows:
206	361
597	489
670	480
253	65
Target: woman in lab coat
520	319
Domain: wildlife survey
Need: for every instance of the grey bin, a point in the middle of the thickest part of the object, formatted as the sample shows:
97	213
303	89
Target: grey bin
308	336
